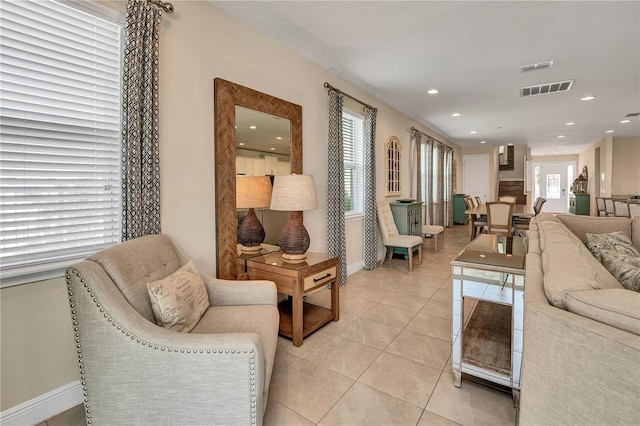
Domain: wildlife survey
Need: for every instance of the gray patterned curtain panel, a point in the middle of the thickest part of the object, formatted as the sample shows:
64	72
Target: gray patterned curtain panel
370	211
140	156
336	242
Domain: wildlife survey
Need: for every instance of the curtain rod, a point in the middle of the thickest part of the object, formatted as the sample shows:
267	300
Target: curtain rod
167	7
330	87
413	129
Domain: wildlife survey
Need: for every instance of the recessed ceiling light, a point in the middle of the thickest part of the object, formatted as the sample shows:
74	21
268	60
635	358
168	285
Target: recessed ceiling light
509	144
609	131
588	98
455	114
625	121
483	141
252	127
570	123
473	132
433	91
560	147
279	138
272	149
241	144
562	136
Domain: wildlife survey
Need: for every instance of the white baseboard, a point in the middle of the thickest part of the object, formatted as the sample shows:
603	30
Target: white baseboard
43	407
358	266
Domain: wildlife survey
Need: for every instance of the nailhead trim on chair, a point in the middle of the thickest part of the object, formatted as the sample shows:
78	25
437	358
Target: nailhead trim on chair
74	320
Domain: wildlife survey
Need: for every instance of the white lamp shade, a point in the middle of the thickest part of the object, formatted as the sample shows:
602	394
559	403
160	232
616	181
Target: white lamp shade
294	193
253	192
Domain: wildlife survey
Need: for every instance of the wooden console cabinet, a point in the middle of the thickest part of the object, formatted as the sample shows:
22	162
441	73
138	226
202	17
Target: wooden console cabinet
298	318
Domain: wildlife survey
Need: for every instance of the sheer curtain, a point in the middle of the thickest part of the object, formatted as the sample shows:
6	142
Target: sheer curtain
140	156
435	180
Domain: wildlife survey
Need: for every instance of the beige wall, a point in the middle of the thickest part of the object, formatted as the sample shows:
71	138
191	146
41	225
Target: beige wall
619	160
197	44
626	171
38	352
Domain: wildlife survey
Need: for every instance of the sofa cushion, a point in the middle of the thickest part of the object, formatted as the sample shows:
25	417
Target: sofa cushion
580	225
625	268
618	308
614	241
180	299
635	231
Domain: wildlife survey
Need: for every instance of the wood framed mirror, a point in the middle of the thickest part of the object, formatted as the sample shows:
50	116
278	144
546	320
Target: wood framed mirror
227	96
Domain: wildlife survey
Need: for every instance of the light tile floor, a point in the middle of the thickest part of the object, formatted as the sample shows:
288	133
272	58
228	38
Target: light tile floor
386	362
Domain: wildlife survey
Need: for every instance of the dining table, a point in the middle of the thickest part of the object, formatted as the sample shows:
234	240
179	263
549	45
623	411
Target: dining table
519	211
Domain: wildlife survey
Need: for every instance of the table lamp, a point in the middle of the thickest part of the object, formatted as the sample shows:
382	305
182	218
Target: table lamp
294	193
252	192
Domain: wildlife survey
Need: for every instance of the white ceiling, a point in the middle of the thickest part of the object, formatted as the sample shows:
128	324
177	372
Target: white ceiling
472	51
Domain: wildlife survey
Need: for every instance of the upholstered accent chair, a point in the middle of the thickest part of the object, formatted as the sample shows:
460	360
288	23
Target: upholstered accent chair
134	372
391	237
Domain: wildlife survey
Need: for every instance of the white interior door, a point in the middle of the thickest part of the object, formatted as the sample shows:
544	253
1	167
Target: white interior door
552	184
475	170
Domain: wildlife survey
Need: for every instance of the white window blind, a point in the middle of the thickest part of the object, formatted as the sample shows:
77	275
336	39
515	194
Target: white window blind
352	134
59	137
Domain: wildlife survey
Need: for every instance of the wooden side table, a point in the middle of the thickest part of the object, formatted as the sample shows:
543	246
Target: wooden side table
298	318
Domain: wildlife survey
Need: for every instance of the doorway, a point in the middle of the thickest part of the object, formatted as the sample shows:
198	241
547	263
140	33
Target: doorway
476	175
553	180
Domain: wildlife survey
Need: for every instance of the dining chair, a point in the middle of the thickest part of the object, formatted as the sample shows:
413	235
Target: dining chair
522	223
602	210
609	208
499	218
621	208
478	201
391	237
508	198
634	208
477	223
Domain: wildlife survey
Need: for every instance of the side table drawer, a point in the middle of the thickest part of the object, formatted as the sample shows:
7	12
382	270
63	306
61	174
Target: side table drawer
320	278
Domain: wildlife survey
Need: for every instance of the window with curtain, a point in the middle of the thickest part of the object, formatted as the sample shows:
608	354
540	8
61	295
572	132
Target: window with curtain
436	177
353	139
59	135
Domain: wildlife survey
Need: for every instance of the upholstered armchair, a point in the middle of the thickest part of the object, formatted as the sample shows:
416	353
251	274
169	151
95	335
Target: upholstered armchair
392	238
134	372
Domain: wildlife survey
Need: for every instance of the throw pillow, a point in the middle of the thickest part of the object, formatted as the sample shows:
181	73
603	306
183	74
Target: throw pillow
614	241
625	268
180	299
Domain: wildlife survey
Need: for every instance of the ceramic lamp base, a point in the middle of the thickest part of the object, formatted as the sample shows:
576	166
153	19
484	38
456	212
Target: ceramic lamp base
294	258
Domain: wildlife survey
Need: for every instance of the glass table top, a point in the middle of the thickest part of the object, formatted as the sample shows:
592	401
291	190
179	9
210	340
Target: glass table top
495	250
277	260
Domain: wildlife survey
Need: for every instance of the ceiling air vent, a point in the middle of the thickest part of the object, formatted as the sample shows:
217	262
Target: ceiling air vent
544	89
538	66
632	114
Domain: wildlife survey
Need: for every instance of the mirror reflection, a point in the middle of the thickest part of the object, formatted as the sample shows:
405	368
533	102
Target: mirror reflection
505	157
263	148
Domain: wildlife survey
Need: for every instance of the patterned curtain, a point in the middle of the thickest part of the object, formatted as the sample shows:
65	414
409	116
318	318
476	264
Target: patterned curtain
440	208
370	213
417	141
449	167
429	181
140	156
336	242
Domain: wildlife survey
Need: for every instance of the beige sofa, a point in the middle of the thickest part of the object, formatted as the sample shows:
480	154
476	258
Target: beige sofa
134	372
581	354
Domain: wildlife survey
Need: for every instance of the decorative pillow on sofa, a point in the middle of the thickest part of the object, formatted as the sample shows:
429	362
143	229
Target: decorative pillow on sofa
625	268
614	241
180	299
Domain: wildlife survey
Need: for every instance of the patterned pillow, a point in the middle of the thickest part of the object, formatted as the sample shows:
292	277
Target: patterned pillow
614	241
180	299
625	268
